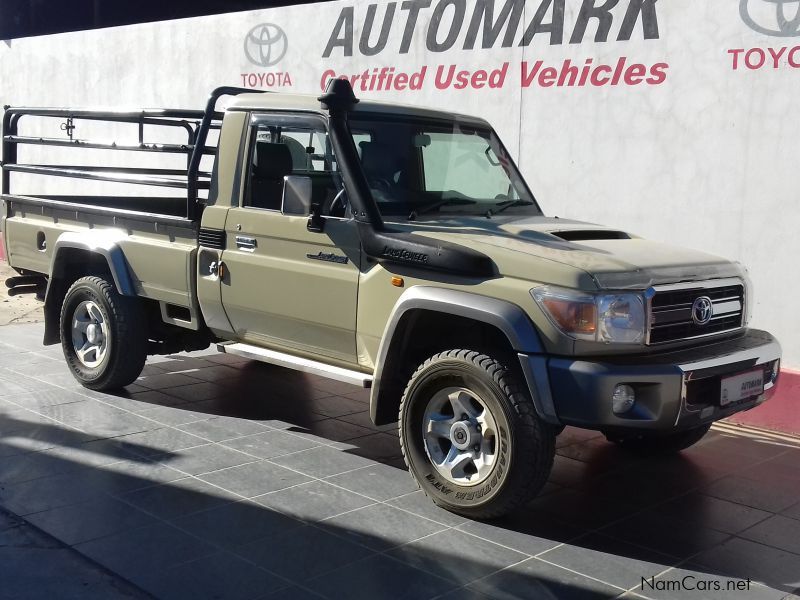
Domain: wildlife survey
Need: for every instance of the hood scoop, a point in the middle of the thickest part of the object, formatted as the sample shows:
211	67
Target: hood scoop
588	235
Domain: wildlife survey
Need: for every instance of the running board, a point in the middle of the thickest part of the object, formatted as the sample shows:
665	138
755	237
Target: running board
298	364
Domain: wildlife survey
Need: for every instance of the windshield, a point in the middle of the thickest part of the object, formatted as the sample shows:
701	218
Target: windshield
433	168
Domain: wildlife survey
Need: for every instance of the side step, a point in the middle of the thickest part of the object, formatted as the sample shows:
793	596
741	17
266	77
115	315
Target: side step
298	364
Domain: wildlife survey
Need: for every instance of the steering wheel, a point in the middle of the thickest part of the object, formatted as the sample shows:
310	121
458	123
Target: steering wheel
380	184
338	199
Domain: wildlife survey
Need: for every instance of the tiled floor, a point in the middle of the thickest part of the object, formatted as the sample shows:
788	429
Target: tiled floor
214	477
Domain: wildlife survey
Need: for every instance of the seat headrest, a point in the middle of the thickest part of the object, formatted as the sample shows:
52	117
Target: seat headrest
273	161
378	159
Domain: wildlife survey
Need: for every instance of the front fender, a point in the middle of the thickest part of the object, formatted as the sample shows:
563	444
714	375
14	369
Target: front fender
505	316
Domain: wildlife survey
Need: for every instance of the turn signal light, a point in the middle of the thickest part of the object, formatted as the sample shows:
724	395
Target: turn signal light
572	316
398	281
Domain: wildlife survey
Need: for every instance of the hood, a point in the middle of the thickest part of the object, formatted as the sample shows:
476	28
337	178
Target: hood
613	258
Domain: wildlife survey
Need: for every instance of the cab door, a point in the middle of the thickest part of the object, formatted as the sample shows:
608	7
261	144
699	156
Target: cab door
286	287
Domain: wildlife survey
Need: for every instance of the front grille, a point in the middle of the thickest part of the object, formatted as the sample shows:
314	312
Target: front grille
671	312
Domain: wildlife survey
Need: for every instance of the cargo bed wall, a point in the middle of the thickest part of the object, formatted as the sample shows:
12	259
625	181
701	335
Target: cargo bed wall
160	256
155	161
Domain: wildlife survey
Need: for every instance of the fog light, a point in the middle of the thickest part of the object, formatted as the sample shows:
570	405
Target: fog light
623	399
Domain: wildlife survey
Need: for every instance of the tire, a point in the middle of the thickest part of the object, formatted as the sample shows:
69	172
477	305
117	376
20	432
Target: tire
514	447
659	444
102	335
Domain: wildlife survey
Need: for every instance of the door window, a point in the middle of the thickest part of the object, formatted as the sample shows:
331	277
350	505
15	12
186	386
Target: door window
283	149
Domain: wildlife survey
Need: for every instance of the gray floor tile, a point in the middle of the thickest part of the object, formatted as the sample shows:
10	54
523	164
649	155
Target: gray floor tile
537	579
463	593
381	447
236	524
302	554
322	462
334	406
457	556
379	577
27	467
126	475
312	501
792	511
589	508
213	372
777	531
165	381
32	573
173	416
773	498
12	385
217	577
90	520
651	529
420	504
97	419
712	512
162	441
293	593
217	430
139	553
337	431
523	533
197	391
608	559
205	459
379	482
363	419
270	444
138	402
47	492
96	453
178	498
36	401
381	527
737	557
255	479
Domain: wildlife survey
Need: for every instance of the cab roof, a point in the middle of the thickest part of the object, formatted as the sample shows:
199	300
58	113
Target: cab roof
310	103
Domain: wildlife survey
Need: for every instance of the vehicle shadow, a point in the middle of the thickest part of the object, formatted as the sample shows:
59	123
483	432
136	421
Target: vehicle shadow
606	521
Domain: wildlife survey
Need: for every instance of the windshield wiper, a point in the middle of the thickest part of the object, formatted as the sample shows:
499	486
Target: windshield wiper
501	206
438	204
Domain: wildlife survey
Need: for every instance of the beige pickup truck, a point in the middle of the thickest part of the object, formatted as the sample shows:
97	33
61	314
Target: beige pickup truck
392	247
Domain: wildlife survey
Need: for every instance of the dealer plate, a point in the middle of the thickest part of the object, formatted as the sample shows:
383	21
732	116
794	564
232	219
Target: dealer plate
741	386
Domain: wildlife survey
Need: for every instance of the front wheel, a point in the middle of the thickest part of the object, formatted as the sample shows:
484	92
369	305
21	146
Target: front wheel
659	444
103	334
470	435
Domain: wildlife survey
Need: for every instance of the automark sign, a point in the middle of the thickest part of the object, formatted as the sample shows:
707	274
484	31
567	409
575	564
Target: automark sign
457	28
487	23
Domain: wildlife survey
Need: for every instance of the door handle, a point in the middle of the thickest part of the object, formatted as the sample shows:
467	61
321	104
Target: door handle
246	243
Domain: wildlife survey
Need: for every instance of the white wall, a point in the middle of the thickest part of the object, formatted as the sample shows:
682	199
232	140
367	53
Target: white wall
706	158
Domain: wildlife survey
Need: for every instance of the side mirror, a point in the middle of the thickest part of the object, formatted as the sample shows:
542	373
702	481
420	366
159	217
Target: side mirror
296	196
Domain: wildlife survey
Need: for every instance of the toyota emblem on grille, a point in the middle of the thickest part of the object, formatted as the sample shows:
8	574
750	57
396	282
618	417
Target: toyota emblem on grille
702	310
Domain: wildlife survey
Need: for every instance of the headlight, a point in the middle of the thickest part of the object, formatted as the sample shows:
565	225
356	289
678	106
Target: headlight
617	318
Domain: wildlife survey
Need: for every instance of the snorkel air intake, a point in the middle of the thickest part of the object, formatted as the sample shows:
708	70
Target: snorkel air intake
380	243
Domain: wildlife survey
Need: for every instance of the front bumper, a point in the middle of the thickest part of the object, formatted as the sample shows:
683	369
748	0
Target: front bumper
674	390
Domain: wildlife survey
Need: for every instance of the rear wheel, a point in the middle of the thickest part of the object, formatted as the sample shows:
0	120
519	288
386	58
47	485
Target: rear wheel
659	444
470	435
102	334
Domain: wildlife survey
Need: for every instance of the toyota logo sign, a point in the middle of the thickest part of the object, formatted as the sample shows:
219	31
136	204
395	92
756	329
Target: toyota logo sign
702	310
778	18
265	45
